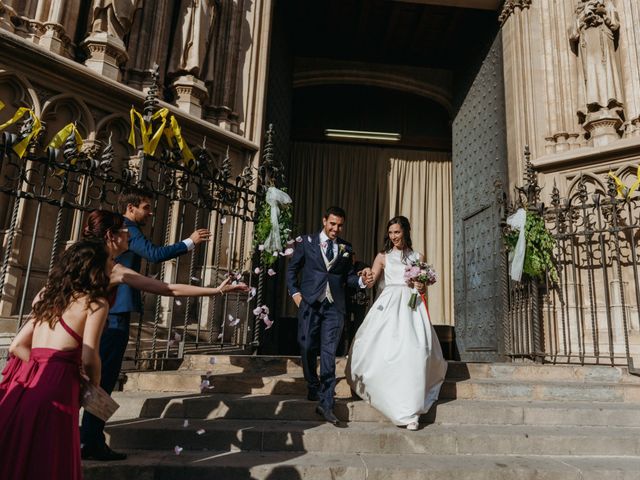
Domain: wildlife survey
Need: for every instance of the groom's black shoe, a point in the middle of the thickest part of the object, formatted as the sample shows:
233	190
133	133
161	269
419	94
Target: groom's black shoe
329	416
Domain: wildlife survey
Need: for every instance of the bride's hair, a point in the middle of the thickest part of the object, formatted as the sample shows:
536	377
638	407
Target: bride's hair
406	235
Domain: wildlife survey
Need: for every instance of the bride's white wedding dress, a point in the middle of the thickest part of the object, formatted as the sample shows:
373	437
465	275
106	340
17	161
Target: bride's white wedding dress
396	362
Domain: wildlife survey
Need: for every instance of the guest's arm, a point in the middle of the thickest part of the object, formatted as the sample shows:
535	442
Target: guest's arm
121	274
21	345
142	246
96	317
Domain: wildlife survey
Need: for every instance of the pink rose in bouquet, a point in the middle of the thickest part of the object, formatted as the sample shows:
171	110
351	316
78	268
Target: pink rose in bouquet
419	272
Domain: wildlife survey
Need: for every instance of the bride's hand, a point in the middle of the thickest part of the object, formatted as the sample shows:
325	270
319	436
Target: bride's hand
420	287
225	288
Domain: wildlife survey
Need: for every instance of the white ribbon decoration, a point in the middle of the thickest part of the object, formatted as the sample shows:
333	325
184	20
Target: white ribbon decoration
517	221
275	198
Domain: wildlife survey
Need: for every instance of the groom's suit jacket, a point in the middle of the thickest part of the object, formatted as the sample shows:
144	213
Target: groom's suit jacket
308	259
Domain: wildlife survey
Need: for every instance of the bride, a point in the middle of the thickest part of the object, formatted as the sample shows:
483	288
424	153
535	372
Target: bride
396	363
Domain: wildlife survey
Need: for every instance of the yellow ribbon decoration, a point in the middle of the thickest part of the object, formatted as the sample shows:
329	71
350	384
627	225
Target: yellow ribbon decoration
21	147
622	189
1	104
150	139
174	131
60	137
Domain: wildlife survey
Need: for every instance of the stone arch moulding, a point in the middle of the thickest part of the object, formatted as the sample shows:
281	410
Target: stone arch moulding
29	96
589	179
86	120
376	79
104	122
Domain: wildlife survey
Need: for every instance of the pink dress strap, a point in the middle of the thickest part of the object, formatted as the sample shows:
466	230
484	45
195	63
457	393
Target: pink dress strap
70	331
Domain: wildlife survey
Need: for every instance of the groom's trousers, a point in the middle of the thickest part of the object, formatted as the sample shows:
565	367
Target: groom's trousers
319	329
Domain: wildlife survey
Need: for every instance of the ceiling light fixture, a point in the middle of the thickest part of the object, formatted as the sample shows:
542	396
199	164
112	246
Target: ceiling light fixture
362	135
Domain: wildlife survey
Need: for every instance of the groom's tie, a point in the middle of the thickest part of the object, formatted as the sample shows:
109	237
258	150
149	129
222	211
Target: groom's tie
329	252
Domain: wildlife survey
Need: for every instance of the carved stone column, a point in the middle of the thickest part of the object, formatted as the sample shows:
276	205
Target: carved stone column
106	54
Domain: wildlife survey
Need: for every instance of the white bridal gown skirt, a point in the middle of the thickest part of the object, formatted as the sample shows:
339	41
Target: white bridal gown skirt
396	362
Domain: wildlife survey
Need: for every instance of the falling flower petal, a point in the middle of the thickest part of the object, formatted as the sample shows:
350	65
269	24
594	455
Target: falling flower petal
201	431
230	318
309	239
271	272
234	322
185	424
220	336
172	343
291	242
252	293
288	252
257	310
205	385
195	279
212	360
177	337
261	247
178	449
267	322
265	309
178	302
223	220
238	276
275	254
298	239
257	270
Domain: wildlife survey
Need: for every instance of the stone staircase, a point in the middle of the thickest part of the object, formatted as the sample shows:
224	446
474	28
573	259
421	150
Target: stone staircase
493	421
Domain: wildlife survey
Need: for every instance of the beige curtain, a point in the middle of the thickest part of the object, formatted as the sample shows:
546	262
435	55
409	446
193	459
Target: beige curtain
420	189
374	184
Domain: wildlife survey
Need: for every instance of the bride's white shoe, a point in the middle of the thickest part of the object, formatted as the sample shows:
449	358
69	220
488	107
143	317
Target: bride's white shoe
412	426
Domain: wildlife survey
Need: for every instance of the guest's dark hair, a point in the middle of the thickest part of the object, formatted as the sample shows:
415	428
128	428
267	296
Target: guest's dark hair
80	270
132	196
99	222
406	235
334	210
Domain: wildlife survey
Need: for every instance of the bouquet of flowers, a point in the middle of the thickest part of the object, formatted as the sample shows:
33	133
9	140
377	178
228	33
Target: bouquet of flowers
421	272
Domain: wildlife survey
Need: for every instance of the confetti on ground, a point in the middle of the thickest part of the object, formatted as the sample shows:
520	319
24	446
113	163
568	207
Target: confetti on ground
178	449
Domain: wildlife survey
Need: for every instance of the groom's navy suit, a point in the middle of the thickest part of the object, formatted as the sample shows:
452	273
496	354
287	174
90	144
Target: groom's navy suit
321	311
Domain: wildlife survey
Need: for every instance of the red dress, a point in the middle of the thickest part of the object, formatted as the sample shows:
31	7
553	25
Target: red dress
39	408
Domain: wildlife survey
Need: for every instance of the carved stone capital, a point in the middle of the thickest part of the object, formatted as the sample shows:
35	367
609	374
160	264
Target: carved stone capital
190	92
603	127
511	6
106	54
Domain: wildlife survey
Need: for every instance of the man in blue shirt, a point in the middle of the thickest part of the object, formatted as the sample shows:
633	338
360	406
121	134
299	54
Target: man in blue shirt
136	208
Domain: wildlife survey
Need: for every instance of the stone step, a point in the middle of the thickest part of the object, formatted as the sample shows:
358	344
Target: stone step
372	438
279	365
291	408
289	384
166	465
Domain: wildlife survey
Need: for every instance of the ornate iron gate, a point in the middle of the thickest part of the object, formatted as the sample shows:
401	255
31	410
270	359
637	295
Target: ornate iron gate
592	313
66	183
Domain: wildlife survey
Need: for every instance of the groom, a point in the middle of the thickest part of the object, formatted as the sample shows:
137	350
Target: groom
327	268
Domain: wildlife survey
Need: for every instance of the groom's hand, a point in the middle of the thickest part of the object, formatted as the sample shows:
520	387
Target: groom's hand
367	276
297	298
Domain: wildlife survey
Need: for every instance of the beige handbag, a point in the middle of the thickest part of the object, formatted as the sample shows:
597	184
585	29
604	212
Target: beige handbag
96	401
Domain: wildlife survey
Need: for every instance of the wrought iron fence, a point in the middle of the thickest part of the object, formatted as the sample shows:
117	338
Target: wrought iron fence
591	314
44	199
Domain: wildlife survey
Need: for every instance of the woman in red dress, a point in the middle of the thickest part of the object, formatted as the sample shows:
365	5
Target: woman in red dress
39	405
